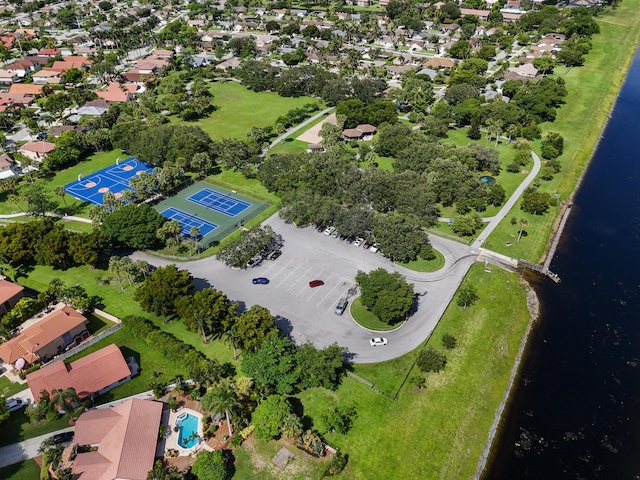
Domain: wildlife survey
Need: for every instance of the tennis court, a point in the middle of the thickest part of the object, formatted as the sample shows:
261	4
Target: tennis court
188	222
216	211
114	179
219	202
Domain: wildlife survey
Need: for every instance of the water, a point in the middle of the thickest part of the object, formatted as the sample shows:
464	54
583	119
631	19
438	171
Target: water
188	427
576	410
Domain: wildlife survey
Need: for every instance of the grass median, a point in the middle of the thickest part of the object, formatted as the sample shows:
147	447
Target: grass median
367	319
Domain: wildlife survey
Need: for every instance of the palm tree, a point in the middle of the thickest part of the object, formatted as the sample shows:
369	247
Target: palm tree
230	337
61	192
15	199
65	399
523	222
511	131
161	307
115	267
200	317
292	426
221	398
194	233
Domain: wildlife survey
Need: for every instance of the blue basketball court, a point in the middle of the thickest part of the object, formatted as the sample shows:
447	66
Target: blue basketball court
219	202
114	179
189	221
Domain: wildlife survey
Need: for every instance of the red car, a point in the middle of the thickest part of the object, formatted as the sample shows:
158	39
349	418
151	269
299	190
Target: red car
316	283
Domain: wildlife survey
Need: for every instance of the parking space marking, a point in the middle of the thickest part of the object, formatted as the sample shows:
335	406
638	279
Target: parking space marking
292	272
325	297
317	289
274	265
301	277
344	295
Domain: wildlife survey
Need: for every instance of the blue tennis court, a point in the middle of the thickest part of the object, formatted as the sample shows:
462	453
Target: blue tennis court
189	221
114	179
219	202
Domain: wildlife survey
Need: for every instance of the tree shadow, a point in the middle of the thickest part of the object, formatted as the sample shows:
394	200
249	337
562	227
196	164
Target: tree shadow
414	306
349	357
241	307
201	283
284	324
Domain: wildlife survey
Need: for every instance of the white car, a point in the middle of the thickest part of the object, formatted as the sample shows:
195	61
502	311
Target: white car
359	241
16	404
329	230
378	341
374	248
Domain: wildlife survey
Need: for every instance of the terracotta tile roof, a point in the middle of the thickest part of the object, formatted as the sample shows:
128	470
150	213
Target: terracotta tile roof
39	147
26	88
114	95
366	128
126	436
49	52
8	290
42	333
86	375
5	292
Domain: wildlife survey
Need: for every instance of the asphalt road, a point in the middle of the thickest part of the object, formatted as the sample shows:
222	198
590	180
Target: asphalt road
307	314
19	452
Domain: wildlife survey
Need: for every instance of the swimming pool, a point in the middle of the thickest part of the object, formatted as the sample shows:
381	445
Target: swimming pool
188	425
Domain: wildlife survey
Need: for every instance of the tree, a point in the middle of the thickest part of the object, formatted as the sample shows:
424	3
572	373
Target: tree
221	398
211	466
385	294
209	306
253	326
37	199
62	193
535	202
4	412
274	364
339	419
467	295
431	360
523	222
133	226
167	282
449	341
64	399
292	426
466	225
269	417
73	76
461	49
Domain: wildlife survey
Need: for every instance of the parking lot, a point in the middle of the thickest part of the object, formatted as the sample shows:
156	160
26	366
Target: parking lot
307	314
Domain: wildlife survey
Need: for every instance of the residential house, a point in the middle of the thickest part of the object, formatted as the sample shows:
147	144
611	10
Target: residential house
48	52
10	293
44	77
26	65
524	70
483	15
315	148
93	374
125	438
36	150
438	62
57	131
8	78
26	89
116	93
362	132
59	330
94	108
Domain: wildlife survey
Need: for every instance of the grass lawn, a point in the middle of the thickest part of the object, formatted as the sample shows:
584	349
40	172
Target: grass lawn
367	319
440	432
289	146
239	109
98	324
8	388
18	427
27	470
421	265
253	461
590	97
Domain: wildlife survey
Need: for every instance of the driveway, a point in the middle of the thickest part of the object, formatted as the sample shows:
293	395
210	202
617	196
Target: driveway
306	314
19	452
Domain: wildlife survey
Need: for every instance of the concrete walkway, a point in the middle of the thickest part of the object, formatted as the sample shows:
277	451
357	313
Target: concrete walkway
48	214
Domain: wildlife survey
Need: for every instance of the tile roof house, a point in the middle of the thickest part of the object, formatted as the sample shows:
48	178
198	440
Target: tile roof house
36	150
51	335
44	77
94	108
10	293
115	96
26	65
26	88
95	373
48	52
7	77
126	436
361	132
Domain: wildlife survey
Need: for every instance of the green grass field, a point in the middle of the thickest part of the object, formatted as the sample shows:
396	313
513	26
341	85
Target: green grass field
27	470
440	432
8	388
367	319
239	109
18	427
592	91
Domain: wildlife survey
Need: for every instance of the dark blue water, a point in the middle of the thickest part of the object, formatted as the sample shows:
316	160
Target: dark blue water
576	409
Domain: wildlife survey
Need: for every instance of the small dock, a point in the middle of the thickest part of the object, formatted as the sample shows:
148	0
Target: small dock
541	269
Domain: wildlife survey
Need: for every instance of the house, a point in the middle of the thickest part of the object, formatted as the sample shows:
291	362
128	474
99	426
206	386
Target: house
116	95
61	329
525	70
36	150
315	148
483	15
10	293
362	132
94	374
57	131
438	62
94	108
125	438
26	65
48	52
26	89
8	78
44	77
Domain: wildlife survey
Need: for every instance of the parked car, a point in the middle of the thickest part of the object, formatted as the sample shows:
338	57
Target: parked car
260	281
378	341
340	308
335	234
255	261
358	242
374	248
275	254
350	240
366	245
63	437
320	228
329	230
16	404
316	283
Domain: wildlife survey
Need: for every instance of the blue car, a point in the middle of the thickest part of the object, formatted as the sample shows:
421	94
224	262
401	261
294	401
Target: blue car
260	281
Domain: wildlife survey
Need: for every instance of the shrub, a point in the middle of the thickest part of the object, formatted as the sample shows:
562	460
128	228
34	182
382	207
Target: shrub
449	341
336	465
513	167
430	360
